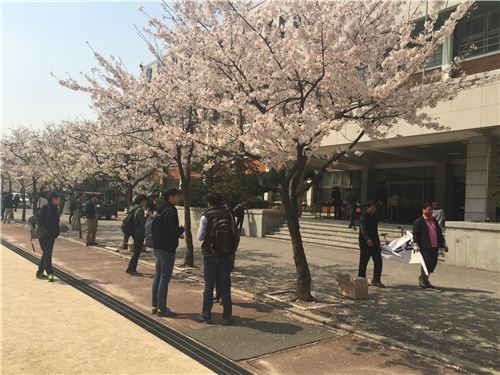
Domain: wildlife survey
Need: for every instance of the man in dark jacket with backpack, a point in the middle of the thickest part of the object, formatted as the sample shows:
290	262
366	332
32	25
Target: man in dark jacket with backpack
48	221
137	218
220	239
166	233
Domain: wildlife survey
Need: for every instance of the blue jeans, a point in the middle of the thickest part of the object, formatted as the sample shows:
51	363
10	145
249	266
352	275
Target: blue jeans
216	269
164	266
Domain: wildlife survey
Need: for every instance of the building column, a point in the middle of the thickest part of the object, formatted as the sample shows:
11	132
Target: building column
480	180
367	184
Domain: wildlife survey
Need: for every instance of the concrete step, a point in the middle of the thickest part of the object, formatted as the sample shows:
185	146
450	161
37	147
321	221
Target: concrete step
329	236
318	241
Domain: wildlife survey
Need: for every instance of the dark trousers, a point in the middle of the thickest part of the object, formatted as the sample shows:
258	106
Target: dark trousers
138	242
352	214
430	256
366	253
216	269
337	209
239	223
164	266
47	245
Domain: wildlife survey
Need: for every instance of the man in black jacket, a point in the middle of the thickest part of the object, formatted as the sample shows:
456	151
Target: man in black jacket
217	260
166	234
369	244
91	215
48	220
428	239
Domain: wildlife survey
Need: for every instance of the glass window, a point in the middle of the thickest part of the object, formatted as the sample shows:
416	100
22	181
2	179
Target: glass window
479	33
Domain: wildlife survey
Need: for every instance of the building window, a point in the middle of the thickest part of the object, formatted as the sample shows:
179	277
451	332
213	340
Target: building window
149	73
479	33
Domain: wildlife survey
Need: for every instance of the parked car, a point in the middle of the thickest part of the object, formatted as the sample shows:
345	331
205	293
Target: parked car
106	207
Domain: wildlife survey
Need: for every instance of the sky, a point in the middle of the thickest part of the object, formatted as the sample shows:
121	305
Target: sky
43	37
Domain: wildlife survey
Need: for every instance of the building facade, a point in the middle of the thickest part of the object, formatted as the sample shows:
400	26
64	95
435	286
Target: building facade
458	167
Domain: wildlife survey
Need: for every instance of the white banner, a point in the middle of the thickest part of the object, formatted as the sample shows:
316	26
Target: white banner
401	250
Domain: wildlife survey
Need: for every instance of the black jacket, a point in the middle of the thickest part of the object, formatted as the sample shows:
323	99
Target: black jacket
212	214
8	202
337	195
90	210
170	224
421	233
368	229
49	220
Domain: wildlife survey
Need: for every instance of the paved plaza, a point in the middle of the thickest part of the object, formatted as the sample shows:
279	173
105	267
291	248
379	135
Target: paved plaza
270	339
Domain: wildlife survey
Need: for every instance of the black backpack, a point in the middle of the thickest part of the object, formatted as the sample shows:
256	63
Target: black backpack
223	237
157	231
128	224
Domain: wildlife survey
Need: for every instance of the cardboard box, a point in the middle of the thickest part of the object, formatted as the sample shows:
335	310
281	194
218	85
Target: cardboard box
352	286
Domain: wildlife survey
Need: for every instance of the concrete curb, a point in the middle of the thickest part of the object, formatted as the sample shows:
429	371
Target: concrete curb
448	360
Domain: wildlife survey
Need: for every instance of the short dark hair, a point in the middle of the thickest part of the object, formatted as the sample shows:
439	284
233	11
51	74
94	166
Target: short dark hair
170	193
369	203
425	205
140	198
94	195
215	199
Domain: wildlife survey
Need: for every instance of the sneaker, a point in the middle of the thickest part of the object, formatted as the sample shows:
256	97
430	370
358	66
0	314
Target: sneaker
429	285
154	310
201	319
41	275
227	322
166	314
133	273
378	284
50	277
422	283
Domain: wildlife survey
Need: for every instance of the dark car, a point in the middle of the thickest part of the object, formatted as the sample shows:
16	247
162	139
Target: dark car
106	207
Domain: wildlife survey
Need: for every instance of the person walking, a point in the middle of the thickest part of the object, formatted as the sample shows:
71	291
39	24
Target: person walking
91	216
166	234
140	203
337	202
220	238
239	213
352	202
369	244
9	209
428	239
48	219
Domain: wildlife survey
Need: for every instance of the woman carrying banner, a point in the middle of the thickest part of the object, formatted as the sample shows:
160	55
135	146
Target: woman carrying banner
428	239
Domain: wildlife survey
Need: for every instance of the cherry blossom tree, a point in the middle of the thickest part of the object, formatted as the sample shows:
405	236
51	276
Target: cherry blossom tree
297	71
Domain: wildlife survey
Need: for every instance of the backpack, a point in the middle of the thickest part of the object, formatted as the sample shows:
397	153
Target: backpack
157	232
36	230
148	229
128	224
223	237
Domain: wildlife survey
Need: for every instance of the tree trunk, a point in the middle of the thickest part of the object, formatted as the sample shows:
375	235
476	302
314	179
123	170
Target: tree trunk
188	235
76	223
23	194
34	203
303	287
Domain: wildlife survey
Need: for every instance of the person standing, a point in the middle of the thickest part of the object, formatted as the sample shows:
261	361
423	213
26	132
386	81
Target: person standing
91	216
337	202
166	234
352	202
16	202
72	209
428	239
438	214
220	238
48	220
382	195
239	213
9	209
140	203
369	244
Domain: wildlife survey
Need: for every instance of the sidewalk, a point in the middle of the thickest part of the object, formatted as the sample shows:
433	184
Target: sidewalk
264	339
54	329
457	320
